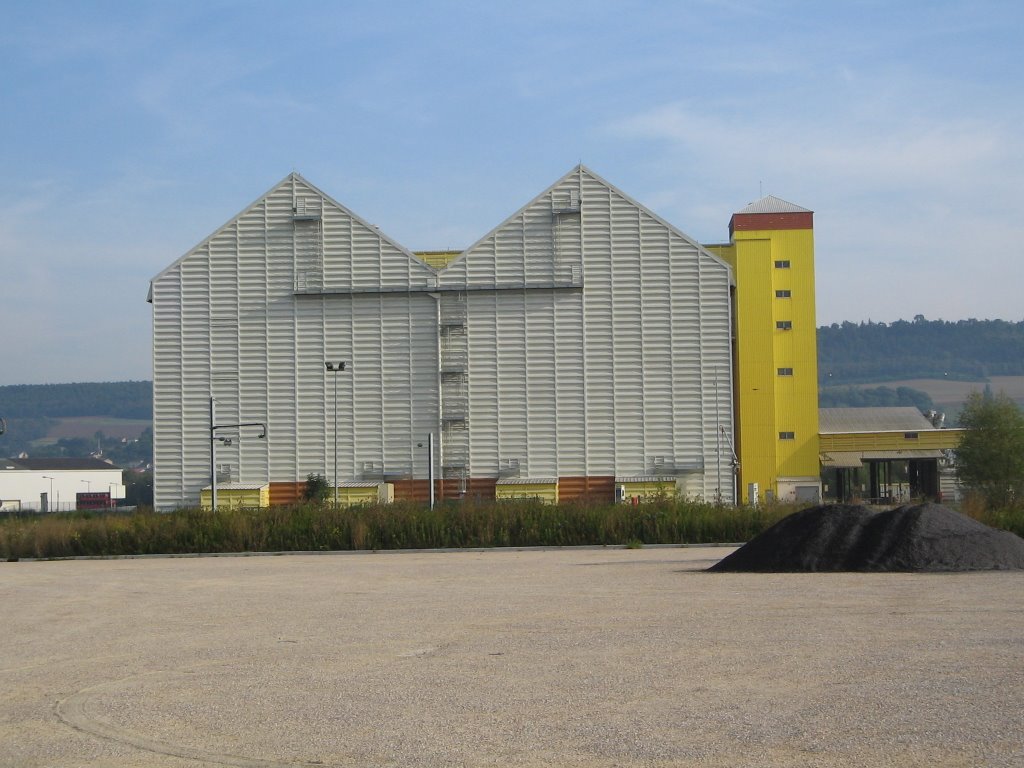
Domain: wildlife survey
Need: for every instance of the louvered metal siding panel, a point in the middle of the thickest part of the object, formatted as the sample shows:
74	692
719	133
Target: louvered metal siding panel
687	374
167	391
420	340
599	382
313	390
542	438
358	257
517	381
395	359
570	391
397	390
536	245
281	337
367	381
223	330
482	327
253	377
226	321
195	367
338	241
513	426
715	354
337	340
687	421
599	363
627	337
657	351
393	400
668	328
480	265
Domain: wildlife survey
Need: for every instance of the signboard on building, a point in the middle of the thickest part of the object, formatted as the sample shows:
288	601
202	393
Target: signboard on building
93	501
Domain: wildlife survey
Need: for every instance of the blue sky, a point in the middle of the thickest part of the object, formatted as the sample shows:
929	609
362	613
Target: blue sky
130	131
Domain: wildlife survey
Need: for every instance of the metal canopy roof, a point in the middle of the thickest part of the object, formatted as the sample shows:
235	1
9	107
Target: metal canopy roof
841	460
851	459
646	479
239	487
839	420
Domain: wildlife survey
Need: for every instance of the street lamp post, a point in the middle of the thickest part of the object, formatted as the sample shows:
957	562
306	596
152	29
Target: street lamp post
49	499
335	368
430	466
214	426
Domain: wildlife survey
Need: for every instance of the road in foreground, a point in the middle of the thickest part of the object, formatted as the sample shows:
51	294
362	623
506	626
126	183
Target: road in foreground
534	658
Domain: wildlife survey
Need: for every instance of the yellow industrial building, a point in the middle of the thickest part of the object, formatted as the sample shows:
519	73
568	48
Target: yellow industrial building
781	447
771	251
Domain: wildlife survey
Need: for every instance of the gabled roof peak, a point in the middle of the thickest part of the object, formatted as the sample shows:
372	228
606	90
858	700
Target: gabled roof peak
773	204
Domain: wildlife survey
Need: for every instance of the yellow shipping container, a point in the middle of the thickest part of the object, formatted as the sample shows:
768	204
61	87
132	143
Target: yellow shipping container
237	495
543	488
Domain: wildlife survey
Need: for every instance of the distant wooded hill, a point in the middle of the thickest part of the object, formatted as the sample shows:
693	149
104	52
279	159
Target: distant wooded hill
967	350
874	397
117	399
33	410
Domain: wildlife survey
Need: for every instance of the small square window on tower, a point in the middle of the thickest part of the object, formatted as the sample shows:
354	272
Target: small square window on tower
782	264
785	371
783	294
787	435
784	325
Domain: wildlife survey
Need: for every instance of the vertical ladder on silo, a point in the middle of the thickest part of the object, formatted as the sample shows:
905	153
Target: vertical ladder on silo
454	377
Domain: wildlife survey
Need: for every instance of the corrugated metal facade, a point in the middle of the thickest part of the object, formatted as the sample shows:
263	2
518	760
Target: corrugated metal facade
582	338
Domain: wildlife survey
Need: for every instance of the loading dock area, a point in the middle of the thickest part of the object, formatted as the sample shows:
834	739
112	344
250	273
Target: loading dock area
883	455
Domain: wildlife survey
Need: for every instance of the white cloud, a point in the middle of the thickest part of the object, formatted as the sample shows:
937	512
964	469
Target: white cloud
913	213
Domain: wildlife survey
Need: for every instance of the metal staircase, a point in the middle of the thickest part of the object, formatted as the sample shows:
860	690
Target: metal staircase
454	376
307	222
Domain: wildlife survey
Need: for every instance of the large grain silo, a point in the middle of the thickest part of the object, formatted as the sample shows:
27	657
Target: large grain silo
581	346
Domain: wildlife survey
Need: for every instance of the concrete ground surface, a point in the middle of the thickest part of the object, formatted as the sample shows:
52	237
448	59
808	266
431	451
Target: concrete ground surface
580	657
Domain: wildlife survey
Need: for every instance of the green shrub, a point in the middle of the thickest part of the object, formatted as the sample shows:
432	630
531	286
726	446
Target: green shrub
312	526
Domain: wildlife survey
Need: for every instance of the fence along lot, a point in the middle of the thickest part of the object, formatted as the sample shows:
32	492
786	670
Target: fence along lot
567	657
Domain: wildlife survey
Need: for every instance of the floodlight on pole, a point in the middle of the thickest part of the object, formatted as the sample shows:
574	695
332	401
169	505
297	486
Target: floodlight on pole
335	368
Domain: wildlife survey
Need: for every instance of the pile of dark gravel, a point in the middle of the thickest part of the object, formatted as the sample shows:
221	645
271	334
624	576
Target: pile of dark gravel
838	537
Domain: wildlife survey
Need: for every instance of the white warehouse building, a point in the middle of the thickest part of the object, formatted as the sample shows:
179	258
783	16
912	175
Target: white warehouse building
58	484
582	346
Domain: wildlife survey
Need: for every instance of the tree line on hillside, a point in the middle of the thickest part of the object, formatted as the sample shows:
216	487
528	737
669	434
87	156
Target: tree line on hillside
32	410
966	350
117	399
874	397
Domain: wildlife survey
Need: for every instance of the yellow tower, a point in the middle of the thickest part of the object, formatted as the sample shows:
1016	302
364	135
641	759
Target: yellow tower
771	250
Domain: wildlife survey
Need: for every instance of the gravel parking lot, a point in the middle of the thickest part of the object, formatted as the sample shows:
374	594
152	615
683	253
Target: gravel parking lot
580	657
